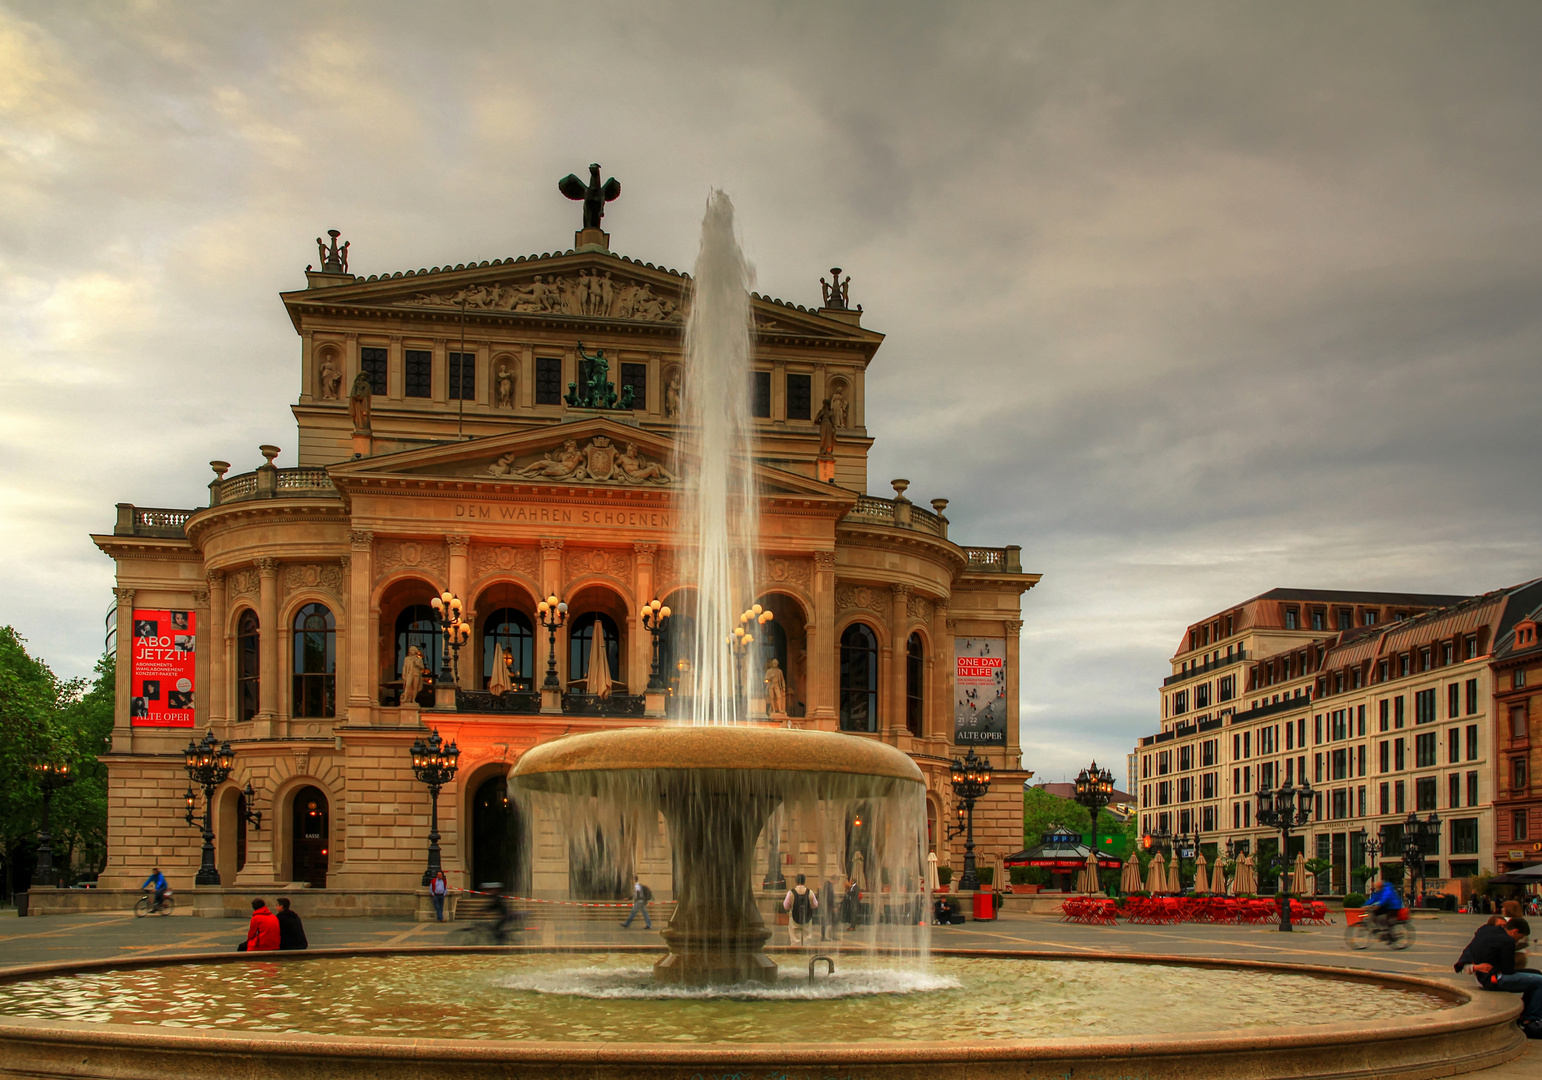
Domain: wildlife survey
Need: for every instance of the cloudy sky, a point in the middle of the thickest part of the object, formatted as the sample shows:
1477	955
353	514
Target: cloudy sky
1191	301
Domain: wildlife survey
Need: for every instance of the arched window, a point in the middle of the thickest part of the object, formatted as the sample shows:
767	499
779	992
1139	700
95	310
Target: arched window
512	630
859	679
418	625
315	662
248	665
915	661
582	637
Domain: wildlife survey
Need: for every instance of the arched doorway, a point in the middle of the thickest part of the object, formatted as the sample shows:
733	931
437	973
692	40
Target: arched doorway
497	836
309	840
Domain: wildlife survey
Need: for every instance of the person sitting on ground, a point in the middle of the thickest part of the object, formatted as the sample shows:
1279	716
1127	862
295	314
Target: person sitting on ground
1512	910
156	881
291	931
1382	906
1491	955
262	933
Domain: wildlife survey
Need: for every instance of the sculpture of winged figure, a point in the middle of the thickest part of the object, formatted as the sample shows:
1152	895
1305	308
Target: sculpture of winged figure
593	195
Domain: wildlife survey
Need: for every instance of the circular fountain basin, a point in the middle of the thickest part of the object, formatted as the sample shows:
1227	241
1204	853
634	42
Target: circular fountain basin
476	1013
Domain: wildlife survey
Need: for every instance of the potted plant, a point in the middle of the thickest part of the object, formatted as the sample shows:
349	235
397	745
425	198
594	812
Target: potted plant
944	878
1026	880
1353	902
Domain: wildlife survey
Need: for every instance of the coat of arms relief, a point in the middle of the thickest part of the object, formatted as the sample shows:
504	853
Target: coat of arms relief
598	460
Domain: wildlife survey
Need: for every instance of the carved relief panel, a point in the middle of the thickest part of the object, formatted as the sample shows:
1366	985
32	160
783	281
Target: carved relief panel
519	560
391	555
861	598
580	561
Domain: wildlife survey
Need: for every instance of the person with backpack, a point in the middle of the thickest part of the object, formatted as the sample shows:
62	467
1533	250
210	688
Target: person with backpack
642	896
800	904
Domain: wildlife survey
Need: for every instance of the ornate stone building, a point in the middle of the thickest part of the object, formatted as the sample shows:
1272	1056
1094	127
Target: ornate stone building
505	431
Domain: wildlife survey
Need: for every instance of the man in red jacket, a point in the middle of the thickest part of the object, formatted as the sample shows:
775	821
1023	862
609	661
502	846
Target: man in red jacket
262	933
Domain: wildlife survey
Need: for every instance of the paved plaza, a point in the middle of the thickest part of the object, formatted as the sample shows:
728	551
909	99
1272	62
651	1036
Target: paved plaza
1440	938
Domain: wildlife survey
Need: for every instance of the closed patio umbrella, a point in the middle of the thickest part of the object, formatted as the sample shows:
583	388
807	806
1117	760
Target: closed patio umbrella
1090	874
498	678
1247	878
1201	874
1300	880
1174	880
1129	877
598	681
1218	886
1156	874
931	872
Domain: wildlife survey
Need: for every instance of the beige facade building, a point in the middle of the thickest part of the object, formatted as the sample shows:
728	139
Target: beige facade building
445	445
1384	703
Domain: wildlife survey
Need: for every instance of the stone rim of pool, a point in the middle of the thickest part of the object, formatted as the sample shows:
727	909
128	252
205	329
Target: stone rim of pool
1477	1032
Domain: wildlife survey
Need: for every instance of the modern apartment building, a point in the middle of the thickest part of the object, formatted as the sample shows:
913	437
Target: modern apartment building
1384	702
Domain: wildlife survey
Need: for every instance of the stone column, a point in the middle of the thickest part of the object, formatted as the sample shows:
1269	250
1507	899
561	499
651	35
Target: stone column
203	715
361	695
307	367
1013	628
941	727
524	388
122	732
899	624
642	641
267	653
460	581
214	641
822	689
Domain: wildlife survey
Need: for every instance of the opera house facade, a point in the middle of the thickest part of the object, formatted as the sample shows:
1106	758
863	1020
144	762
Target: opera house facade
504	432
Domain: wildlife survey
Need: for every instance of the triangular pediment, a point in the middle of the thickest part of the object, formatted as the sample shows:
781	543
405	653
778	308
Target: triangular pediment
571	287
594	451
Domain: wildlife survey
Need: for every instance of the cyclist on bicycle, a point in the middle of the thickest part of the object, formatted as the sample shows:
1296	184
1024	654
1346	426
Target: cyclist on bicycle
157	881
1382	906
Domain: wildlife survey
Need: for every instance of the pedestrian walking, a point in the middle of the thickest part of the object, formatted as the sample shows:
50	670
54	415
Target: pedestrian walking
800	903
642	896
851	904
436	890
291	931
262	931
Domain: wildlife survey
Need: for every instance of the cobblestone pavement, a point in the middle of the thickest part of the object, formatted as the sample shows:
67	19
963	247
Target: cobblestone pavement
1439	939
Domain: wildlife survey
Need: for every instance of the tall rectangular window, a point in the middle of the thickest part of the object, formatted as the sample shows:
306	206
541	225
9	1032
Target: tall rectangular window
548	380
1472	742
1424	751
463	376
760	394
800	396
1398	717
1361	756
1472	692
1472	789
1383	800
1399	761
1361	712
1383	708
1362	800
1399	798
1453	701
1424	707
1317	730
1291	618
635	376
1316	768
1340	764
1464	836
372	361
1386	756
418	373
1518	828
1454	790
1453	746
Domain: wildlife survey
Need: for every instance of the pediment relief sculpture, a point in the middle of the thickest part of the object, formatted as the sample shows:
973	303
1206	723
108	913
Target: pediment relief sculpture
593	294
597	461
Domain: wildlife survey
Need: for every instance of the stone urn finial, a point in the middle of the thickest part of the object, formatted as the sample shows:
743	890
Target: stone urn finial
269	452
938	506
220	469
899	489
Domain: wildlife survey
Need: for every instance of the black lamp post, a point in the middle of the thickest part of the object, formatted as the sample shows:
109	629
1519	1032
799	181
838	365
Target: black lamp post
655	620
447	607
1417	835
434	764
971	780
1373	846
51	776
1285	809
552	615
1094	790
208	765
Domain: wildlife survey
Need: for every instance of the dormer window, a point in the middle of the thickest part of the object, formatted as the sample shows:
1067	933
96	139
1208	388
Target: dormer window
1368	617
1318	618
1292	618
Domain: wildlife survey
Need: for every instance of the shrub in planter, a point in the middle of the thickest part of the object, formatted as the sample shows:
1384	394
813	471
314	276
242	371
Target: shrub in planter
1354	900
945	876
986	874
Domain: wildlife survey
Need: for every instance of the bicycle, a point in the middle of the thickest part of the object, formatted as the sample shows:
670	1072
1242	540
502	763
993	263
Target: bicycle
148	906
490	923
1395	933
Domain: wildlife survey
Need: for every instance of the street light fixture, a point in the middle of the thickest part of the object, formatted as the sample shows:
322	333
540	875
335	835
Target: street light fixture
1094	790
971	780
552	615
208	765
1285	809
447	606
1417	835
434	764
51	776
655	620
741	639
1372	846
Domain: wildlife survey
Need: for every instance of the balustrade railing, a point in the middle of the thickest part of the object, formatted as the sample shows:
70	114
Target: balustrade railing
158	521
270	483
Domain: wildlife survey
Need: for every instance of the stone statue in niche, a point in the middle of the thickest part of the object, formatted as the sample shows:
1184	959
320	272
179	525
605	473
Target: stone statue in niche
826	421
838	409
776	689
359	402
672	396
504	386
331	378
412	676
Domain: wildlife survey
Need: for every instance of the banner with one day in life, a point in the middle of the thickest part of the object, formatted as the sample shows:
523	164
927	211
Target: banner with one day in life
161	678
980	692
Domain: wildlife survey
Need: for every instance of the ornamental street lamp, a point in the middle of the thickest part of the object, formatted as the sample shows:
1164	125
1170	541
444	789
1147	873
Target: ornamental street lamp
1285	809
434	764
1417	835
971	780
655	620
1094	790
552	615
1372	845
208	765
457	632
51	776
741	639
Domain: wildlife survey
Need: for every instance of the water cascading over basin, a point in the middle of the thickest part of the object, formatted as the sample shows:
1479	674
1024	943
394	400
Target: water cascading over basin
716	787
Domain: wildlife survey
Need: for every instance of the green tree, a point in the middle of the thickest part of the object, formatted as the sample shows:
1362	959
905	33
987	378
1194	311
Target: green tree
1041	811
